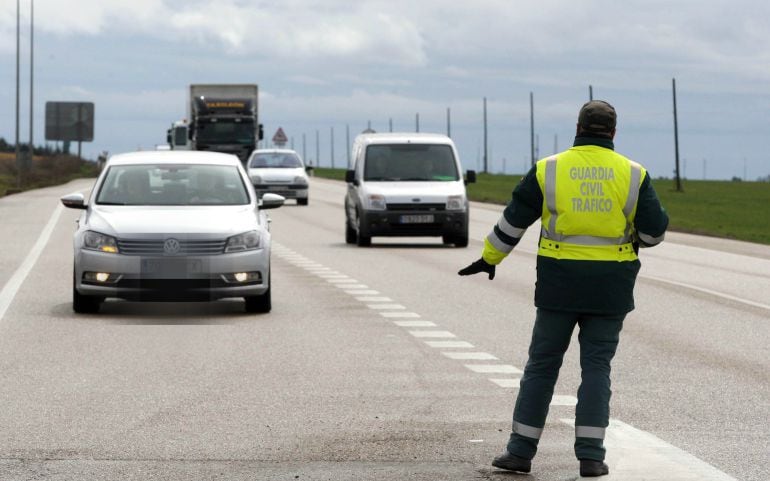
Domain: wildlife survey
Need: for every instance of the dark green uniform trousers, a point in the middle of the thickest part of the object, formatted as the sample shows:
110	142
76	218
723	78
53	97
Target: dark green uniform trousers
551	335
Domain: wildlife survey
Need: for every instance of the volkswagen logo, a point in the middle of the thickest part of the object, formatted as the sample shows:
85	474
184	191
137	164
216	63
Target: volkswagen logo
416	199
171	246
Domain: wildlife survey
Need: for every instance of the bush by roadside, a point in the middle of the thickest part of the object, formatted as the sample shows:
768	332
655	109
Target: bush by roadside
45	171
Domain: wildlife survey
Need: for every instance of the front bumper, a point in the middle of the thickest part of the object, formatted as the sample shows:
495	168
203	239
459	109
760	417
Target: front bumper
173	278
393	223
289	191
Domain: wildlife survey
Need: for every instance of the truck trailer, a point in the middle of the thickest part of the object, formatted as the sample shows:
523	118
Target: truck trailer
223	118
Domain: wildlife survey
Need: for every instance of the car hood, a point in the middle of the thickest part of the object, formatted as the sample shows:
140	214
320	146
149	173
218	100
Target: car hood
206	221
408	191
277	174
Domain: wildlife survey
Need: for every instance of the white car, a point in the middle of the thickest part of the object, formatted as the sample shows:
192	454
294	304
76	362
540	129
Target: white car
406	184
279	171
177	225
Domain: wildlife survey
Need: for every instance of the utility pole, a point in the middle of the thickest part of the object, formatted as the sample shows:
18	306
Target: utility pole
317	148
18	37
417	122
678	183
555	143
532	128
390	124
347	142
485	136
304	147
31	80
448	123
332	145
590	92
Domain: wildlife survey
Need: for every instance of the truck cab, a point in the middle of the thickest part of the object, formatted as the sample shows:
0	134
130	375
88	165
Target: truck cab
406	184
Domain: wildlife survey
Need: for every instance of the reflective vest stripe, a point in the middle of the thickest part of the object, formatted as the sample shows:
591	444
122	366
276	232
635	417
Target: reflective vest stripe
589	432
527	431
498	243
633	196
650	240
509	229
550	193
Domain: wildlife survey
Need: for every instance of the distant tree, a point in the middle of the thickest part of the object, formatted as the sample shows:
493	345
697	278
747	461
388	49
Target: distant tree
736	179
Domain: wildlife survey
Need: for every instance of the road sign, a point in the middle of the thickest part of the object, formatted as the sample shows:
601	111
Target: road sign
73	121
280	137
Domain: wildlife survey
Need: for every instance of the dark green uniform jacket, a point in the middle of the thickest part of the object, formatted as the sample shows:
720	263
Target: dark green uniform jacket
599	287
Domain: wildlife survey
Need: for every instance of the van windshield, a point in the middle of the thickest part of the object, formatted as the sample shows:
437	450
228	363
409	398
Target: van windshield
410	162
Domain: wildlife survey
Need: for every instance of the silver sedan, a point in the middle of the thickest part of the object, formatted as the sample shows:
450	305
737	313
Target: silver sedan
172	226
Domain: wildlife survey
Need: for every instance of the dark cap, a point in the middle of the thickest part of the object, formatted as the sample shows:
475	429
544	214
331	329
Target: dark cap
597	116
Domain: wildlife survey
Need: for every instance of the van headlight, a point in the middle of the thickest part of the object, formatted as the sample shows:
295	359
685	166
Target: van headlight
243	242
455	202
376	202
256	179
300	180
99	242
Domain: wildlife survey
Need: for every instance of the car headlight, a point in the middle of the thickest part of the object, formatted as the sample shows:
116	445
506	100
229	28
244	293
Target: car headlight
455	202
300	179
376	202
256	179
243	242
99	242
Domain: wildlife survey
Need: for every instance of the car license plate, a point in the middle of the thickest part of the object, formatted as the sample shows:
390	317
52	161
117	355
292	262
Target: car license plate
417	219
171	267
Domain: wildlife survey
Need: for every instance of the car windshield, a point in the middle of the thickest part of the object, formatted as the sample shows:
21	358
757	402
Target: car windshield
172	184
287	160
225	132
407	162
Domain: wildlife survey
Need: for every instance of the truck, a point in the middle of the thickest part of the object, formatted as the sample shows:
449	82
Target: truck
223	118
177	135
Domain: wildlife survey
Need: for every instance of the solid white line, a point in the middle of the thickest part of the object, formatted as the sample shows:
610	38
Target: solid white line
431	334
476	356
414	324
708	291
17	279
513	382
449	344
494	368
633	453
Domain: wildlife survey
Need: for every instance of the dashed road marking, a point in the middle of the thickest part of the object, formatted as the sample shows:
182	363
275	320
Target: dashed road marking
374	299
385	307
507	383
493	368
558	400
399	314
476	356
449	344
431	334
414	323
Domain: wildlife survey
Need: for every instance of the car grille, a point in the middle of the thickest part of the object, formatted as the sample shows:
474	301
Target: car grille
155	247
417	206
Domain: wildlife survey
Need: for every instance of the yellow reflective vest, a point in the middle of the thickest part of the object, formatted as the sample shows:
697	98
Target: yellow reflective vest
589	202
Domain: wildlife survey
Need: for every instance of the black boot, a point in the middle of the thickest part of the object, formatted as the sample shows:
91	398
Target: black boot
511	462
591	468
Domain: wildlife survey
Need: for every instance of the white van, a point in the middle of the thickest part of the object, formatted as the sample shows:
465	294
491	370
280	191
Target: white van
406	184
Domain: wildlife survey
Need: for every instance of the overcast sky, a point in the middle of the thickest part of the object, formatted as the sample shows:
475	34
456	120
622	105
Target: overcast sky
332	64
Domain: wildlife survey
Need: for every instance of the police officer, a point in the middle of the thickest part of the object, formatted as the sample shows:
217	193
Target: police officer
597	208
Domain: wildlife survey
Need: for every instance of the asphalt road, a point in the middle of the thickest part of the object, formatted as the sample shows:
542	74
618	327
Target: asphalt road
375	363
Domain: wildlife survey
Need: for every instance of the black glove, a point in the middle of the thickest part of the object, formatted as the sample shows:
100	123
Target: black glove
479	266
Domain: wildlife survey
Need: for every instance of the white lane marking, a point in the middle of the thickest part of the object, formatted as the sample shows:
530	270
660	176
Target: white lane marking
708	291
493	368
431	334
342	281
449	344
385	307
399	314
632	453
476	356
362	292
414	323
513	382
475	440
333	276
351	286
374	299
17	279
558	400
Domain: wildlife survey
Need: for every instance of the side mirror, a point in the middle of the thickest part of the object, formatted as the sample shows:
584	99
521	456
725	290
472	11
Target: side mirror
350	176
271	201
74	201
470	177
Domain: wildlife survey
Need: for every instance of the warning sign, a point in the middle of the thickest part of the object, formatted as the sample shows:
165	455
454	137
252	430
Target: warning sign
279	138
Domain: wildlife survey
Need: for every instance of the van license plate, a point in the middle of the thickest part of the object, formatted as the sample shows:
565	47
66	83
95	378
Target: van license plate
417	219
